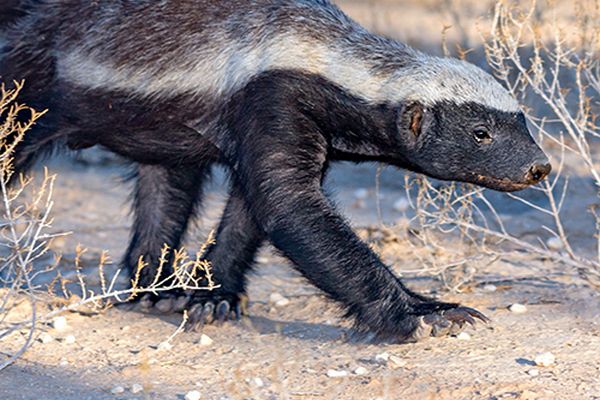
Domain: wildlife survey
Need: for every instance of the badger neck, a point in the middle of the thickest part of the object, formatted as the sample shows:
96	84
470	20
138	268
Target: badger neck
364	64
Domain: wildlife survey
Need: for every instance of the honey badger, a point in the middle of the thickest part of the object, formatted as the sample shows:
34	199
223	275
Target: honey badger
274	90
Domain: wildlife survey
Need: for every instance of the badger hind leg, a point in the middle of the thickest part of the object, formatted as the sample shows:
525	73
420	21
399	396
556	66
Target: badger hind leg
237	241
165	198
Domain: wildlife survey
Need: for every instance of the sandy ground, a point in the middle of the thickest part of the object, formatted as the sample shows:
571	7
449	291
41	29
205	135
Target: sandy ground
286	352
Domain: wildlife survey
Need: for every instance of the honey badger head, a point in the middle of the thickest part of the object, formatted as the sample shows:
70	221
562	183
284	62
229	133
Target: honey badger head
457	123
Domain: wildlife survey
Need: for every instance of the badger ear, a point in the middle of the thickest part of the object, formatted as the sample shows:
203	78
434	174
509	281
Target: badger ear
416	118
410	119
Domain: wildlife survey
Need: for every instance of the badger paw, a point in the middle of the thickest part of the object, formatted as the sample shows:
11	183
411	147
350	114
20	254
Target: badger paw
207	308
163	302
448	319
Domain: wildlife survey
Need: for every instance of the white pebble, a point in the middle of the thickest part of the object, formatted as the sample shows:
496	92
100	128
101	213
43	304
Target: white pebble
165	346
333	373
533	372
205	340
544	359
361	193
489	288
278	300
59	323
262	260
382	357
517	308
258	382
282	303
402	204
396	362
118	390
192	395
45	338
554	243
463	336
136	388
70	339
361	371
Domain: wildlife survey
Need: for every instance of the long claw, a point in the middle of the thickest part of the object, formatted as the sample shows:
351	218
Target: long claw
181	303
237	312
194	317
477	314
146	301
464	314
446	319
207	315
222	311
165	305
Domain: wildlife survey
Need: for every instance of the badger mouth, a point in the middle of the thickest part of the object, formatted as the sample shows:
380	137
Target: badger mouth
500	184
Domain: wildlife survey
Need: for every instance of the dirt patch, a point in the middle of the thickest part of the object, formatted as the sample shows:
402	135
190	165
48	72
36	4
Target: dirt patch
289	352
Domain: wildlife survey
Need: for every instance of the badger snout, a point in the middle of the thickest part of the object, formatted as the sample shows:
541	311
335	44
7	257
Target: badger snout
538	171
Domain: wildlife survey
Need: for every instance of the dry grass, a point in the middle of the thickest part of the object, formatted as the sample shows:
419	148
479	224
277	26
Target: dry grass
26	238
546	54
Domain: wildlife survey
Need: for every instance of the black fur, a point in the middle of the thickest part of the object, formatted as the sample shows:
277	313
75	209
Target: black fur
276	136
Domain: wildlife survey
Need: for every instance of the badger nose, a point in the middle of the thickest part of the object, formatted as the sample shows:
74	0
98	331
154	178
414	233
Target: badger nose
538	171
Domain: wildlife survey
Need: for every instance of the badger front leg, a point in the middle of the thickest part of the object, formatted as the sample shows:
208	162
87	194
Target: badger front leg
164	200
237	240
279	166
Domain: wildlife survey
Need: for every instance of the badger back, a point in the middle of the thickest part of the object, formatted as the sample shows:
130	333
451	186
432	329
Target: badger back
191	48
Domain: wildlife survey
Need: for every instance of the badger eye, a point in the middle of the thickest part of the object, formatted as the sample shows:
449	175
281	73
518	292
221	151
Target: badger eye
482	135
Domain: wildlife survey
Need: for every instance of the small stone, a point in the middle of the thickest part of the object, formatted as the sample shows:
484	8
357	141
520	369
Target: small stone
528	395
361	193
282	303
118	390
165	346
382	357
533	372
401	205
396	362
258	382
489	288
45	338
192	395
333	373
70	339
205	340
361	371
262	260
517	308
136	388
554	243
278	300
59	323
546	359
463	336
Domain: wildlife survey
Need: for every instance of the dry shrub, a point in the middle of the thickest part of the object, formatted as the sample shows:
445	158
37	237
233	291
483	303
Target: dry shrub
25	232
551	64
